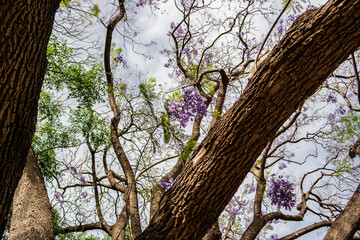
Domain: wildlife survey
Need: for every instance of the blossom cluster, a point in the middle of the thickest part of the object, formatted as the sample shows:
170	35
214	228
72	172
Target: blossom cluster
60	197
79	174
120	59
166	185
234	208
281	193
192	104
282	166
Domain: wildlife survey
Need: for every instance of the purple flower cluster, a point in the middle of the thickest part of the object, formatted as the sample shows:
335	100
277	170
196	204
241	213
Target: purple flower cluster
60	197
193	103
282	166
79	174
310	6
331	98
166	185
233	209
84	194
169	63
281	193
280	28
120	59
208	57
250	188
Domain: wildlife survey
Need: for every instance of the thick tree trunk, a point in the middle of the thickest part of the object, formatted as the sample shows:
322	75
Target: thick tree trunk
348	221
31	217
314	47
214	233
25	28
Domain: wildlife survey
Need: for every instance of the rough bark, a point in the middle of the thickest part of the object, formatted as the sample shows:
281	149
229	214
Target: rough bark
31	217
346	224
355	149
314	47
25	28
214	233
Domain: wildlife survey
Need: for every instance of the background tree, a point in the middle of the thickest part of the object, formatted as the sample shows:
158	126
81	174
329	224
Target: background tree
31	195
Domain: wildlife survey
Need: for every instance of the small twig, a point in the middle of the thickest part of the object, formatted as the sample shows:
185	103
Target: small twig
272	27
153	165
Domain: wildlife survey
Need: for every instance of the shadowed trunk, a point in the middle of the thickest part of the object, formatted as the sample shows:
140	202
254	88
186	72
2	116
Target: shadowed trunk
317	43
214	232
31	217
25	28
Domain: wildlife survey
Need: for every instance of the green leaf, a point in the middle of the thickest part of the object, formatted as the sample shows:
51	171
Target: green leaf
65	3
188	150
96	10
165	125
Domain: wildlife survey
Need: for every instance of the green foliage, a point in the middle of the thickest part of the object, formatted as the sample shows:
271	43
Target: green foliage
50	134
148	93
347	131
189	148
86	86
165	125
118	50
95	10
58	55
58	223
73	82
174	97
90	124
351	124
294	5
147	90
216	114
65	3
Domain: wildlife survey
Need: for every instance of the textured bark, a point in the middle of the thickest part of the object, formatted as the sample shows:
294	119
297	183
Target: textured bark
214	233
25	28
348	221
31	217
355	149
314	47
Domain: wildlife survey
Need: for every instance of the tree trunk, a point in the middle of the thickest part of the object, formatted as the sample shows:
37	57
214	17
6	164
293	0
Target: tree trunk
25	28
214	233
31	217
314	47
348	221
